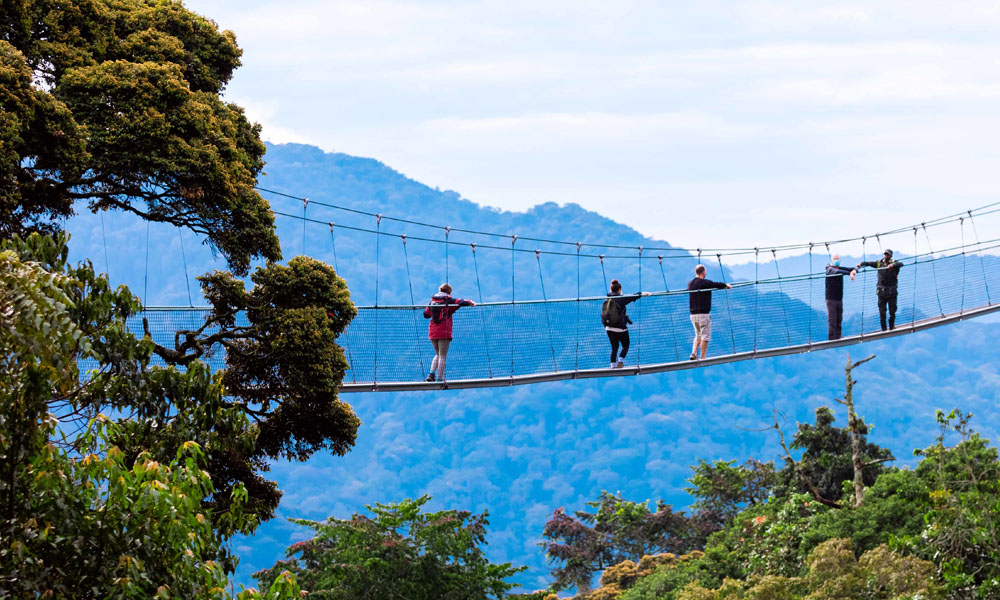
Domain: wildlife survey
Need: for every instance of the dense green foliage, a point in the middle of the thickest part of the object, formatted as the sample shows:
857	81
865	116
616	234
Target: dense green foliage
587	542
399	552
930	532
81	517
117	102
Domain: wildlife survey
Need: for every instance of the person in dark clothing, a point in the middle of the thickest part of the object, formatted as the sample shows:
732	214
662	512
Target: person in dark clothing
615	321
700	305
887	286
442	306
835	295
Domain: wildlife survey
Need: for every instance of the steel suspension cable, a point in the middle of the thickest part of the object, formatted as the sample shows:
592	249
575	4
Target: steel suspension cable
447	232
548	324
784	298
187	278
482	317
729	313
603	272
413	301
982	263
673	331
681	252
347	337
937	290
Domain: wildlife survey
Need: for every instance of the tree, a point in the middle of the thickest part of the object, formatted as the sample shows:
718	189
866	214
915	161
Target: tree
117	103
963	531
619	530
79	517
284	369
832	455
399	552
722	489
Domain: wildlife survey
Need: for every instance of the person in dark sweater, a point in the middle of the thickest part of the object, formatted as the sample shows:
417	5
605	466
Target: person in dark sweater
835	295
700	305
615	321
887	286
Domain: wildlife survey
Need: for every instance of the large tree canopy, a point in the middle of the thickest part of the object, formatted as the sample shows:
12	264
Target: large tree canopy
117	102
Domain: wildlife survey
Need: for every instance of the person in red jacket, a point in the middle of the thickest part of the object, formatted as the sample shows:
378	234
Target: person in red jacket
441	307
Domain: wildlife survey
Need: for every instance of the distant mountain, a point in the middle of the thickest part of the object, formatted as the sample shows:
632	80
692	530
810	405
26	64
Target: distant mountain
522	452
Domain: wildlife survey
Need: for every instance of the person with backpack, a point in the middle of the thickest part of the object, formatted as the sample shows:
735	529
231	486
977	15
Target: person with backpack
887	286
441	307
700	306
615	321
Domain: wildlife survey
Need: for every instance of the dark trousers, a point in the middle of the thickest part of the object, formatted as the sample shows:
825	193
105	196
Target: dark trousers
834	318
887	300
616	338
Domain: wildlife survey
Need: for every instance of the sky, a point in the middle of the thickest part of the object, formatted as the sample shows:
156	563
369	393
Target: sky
705	124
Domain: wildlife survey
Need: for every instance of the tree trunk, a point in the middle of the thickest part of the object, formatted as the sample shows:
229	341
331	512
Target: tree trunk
854	425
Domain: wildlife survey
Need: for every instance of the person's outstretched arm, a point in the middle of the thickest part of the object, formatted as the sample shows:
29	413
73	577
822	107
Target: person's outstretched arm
868	263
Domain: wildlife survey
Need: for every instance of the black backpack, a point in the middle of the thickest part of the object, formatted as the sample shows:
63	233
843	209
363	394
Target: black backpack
612	314
437	314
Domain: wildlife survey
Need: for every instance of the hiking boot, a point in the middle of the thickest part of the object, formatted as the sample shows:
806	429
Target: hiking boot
693	356
431	377
620	364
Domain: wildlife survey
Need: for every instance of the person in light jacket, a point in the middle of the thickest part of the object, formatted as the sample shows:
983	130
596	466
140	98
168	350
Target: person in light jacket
439	311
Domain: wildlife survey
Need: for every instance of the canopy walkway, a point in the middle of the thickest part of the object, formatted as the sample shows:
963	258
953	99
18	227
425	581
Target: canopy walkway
531	341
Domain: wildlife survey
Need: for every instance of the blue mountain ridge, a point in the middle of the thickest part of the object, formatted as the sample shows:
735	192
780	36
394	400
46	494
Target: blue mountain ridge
522	452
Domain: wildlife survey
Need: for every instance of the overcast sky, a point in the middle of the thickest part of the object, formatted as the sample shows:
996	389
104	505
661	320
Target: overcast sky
708	123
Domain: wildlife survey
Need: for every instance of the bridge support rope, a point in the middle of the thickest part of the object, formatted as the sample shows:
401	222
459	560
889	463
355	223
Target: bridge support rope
784	298
937	290
482	318
982	262
548	324
413	311
670	316
729	313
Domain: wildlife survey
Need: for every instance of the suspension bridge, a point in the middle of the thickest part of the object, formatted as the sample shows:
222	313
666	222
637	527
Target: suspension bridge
518	341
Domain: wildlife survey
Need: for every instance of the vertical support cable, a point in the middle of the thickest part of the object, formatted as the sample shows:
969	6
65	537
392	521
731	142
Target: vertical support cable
447	232
864	284
378	236
482	318
937	290
545	303
729	312
811	309
107	264
145	277
305	203
982	263
576	362
601	256
413	306
961	225
513	240
666	290
638	337
784	298
756	294
187	279
347	338
916	262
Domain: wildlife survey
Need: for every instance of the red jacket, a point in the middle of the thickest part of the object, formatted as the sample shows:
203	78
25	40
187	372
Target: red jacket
445	306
